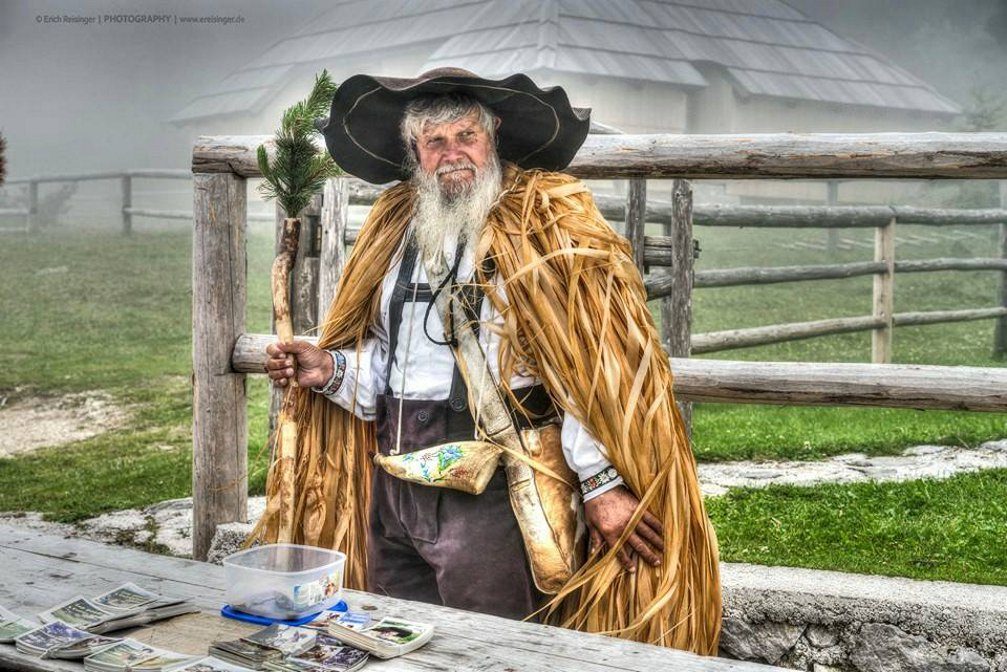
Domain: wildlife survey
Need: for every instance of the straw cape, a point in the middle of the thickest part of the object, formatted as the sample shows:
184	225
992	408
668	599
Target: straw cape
578	319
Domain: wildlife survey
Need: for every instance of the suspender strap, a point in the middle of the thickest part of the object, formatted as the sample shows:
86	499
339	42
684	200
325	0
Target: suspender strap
403	290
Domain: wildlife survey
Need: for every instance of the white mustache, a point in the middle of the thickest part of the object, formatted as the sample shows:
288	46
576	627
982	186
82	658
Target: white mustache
459	165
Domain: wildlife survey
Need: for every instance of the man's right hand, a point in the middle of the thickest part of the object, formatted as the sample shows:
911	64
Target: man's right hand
311	364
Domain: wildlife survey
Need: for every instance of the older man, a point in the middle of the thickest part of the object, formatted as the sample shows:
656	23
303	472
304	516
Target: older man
446	546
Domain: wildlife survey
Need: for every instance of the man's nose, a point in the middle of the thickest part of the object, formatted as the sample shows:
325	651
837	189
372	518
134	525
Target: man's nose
453	151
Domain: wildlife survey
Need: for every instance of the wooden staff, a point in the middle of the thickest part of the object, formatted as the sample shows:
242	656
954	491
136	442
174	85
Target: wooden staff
286	427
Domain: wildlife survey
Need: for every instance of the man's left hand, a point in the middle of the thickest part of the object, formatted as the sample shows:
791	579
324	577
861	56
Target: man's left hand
607	516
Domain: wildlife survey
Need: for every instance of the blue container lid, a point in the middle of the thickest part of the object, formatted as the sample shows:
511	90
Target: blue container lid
230	612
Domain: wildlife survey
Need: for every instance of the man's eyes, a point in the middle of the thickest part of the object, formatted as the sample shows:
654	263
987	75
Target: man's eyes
438	142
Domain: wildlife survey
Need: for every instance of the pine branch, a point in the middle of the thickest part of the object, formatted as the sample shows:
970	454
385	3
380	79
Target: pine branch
298	170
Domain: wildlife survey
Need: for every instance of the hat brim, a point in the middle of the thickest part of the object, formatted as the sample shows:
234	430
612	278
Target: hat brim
539	128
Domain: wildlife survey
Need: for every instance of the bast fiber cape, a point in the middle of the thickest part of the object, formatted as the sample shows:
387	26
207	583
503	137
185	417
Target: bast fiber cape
577	319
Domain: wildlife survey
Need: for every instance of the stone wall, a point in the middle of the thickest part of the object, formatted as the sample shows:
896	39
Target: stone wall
834	622
830	621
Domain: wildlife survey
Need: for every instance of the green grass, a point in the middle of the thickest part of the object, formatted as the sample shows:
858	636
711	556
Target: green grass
118	320
951	530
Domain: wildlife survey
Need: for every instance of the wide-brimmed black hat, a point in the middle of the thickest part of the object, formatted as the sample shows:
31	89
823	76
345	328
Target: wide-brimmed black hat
539	128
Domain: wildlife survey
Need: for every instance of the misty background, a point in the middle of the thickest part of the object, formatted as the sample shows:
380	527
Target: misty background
76	97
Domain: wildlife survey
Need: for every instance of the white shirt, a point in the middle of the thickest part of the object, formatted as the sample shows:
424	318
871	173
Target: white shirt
422	369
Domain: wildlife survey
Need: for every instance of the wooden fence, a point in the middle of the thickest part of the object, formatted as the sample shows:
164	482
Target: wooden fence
223	353
125	178
663	251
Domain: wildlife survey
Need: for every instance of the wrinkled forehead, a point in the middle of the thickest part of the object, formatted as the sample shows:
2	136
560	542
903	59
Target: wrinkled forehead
463	123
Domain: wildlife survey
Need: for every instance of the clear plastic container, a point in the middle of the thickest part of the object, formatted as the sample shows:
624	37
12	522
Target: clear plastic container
284	581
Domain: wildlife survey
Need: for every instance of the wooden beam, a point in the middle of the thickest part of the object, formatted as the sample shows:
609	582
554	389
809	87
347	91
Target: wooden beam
817	384
950	264
761	155
335	217
716	341
728	277
884	293
831	201
636	226
219	423
33	223
1000	329
961	388
676	308
939	316
304	275
127	205
944	216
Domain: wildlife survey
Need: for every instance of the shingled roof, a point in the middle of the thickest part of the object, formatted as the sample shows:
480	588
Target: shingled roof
766	47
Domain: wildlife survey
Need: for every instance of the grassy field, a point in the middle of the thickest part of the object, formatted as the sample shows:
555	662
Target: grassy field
96	311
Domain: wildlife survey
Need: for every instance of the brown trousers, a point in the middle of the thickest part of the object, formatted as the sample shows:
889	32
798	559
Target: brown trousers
448	547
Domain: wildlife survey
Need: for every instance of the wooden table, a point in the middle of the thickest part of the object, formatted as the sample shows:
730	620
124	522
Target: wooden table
40	570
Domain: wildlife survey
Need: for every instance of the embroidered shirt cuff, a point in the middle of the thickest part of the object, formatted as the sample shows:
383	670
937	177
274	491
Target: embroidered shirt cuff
605	480
335	381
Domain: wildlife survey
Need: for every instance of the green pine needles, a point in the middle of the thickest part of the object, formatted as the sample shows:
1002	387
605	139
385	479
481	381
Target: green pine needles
299	170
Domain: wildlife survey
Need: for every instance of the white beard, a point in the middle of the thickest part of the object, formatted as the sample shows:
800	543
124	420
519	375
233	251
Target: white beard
447	216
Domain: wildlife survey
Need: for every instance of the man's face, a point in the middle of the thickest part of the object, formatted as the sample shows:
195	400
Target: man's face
455	152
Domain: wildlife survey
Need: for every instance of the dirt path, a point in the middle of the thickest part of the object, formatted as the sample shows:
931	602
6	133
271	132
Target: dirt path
29	423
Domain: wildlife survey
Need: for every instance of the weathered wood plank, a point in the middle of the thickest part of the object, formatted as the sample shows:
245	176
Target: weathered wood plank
813	384
766	275
950	264
467	641
219	424
636	226
334	219
806	383
676	308
883	300
765	155
127	204
33	223
1000	329
939	316
715	341
304	275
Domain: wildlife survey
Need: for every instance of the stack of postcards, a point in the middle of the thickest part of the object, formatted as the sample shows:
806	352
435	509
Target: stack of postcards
265	646
124	607
12	626
49	637
327	655
130	654
386	638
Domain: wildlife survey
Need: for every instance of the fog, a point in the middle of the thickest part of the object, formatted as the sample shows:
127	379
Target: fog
77	97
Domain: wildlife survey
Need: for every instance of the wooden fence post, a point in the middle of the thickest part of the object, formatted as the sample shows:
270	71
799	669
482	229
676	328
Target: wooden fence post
219	407
884	293
1000	328
304	275
636	218
332	256
676	308
127	203
832	234
33	223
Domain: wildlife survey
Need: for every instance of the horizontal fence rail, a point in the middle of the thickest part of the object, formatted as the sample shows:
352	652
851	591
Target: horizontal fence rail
892	385
128	212
767	155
